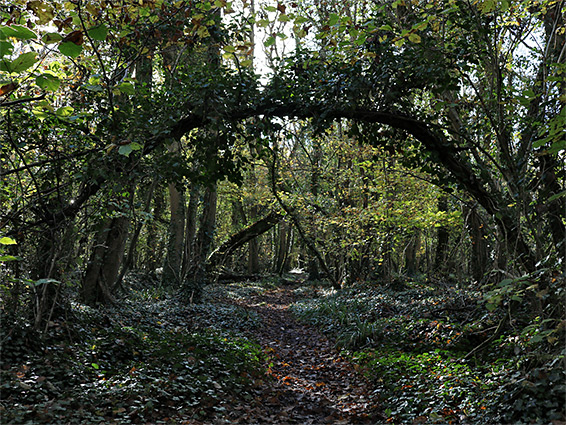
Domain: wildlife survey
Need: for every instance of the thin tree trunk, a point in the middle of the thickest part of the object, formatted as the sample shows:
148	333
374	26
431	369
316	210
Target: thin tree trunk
253	247
153	246
197	276
480	249
135	237
442	238
282	252
174	258
311	245
411	259
191	229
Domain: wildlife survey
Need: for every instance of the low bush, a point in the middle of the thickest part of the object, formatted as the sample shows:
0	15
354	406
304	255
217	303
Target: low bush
438	355
147	361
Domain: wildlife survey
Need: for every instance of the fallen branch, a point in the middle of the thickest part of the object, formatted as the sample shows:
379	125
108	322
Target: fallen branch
242	237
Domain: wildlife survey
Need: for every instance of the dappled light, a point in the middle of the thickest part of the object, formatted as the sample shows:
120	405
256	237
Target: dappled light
282	212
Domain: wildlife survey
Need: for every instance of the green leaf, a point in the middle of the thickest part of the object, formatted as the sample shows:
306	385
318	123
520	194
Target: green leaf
64	111
98	33
22	62
557	195
270	41
51	37
6	48
41	114
415	38
70	49
48	82
94	365
229	49
7	241
360	40
9	258
19	32
127	88
333	19
46	280
125	150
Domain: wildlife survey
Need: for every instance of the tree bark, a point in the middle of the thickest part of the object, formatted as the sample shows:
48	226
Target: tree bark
411	260
174	258
283	245
129	261
191	229
442	238
479	259
197	276
104	264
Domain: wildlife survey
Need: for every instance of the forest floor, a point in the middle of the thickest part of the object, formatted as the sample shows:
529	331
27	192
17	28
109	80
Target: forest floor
280	351
313	383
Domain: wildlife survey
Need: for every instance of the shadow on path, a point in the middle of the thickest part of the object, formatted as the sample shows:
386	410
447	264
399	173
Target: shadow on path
312	383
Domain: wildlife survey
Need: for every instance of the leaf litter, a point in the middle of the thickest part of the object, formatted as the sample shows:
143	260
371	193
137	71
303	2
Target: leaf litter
307	380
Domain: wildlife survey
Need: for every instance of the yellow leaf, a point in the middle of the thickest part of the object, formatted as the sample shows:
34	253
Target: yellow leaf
415	38
400	42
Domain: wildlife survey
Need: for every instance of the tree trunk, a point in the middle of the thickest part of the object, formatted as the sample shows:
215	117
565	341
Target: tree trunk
197	276
283	245
153	248
253	247
480	249
104	265
174	258
312	257
310	244
191	229
442	238
45	267
411	260
135	237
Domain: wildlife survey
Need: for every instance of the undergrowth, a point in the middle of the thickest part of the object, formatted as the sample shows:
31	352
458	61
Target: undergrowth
436	354
150	360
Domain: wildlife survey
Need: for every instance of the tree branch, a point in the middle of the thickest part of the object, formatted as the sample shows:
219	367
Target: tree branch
24	100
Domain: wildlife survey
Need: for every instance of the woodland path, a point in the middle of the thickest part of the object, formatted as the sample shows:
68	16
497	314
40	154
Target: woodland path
309	383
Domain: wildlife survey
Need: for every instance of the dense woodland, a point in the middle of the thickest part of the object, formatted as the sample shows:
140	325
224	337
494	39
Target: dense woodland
188	188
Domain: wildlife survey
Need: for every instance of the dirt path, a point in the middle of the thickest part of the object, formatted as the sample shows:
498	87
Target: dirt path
312	384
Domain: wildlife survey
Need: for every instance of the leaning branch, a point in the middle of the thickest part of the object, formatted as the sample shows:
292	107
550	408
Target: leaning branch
19	101
242	237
